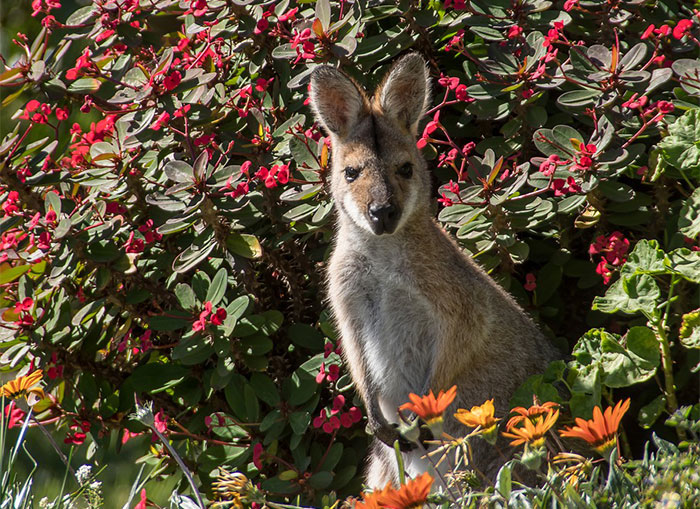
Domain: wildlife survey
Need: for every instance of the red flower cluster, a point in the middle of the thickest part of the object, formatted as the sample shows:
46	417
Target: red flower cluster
563	187
278	174
613	250
331	375
99	131
681	29
83	62
333	420
549	165
9	206
583	161
215	318
39	113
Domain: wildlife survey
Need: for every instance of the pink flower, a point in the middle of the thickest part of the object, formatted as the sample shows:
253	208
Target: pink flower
257	455
289	15
549	165
514	32
356	414
142	501
261	26
162	120
663	30
338	403
634	102
648	32
161	422
445	201
530	282
604	271
449	82
570	4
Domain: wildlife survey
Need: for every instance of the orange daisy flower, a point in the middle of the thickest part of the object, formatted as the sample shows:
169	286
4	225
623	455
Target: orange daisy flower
481	415
411	495
532	413
24	386
532	431
601	431
430	408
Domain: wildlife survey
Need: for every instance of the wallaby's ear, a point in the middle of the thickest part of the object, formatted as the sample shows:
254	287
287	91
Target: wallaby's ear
405	92
336	100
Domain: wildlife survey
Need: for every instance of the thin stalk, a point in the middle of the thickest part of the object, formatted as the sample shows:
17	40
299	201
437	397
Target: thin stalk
666	359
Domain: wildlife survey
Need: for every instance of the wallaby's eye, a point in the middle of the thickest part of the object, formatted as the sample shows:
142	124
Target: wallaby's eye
406	170
351	173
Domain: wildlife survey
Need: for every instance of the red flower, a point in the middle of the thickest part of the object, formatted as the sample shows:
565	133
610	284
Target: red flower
682	28
218	317
461	94
83	62
530	282
172	81
76	438
14	414
570	4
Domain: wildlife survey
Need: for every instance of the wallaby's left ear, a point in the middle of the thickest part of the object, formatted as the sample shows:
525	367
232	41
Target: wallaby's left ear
405	92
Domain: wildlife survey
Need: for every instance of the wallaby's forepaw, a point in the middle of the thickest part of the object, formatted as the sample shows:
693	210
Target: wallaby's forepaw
388	434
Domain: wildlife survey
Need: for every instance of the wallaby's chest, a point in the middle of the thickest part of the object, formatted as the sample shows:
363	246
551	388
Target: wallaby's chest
398	329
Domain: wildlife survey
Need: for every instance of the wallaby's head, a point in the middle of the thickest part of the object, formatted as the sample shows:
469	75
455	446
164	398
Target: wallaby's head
378	178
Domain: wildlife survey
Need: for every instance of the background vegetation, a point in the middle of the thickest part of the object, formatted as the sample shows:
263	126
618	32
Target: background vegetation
165	224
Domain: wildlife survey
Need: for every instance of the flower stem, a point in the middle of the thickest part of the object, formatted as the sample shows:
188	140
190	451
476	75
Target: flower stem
666	359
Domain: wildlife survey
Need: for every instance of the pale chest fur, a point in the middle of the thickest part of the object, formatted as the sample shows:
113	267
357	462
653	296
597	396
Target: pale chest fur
381	308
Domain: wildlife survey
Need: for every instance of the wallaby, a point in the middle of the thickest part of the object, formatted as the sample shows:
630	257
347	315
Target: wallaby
414	312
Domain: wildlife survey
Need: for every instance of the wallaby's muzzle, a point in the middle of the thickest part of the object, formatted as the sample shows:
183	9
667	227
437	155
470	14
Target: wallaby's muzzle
383	217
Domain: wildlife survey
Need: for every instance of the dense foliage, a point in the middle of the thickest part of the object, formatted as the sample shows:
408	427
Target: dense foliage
165	223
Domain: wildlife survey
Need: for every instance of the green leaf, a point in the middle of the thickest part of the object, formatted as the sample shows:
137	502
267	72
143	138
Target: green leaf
185	296
175	320
323	13
156	377
601	352
244	245
265	389
686	263
681	148
299	422
646	258
504	482
649	413
218	287
690	329
304	335
9	273
630	295
192	351
689	220
179	171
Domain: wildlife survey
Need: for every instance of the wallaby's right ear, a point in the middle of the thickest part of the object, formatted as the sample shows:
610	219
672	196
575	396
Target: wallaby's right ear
336	100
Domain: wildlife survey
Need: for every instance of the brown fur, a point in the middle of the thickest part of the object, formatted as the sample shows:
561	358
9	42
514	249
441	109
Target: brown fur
414	312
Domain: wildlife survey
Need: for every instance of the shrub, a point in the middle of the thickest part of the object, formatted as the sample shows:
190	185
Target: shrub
165	219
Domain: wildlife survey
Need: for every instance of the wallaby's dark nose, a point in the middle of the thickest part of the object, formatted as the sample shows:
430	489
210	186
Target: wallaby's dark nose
383	217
